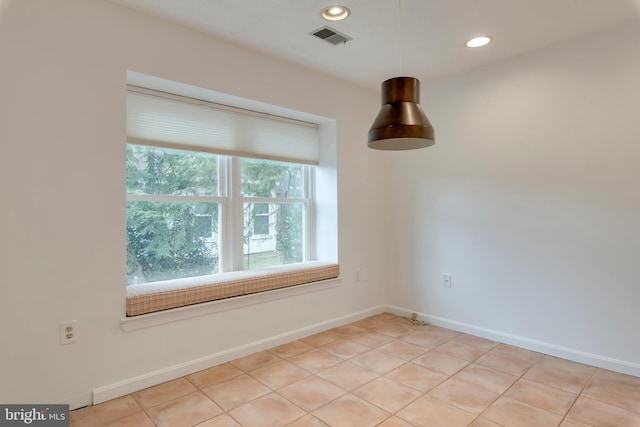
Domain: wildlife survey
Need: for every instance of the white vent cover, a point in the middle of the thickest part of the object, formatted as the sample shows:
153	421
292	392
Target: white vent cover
330	35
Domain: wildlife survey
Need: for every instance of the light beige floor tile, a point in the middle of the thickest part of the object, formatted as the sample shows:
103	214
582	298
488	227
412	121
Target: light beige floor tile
482	343
617	377
185	411
320	339
369	323
447	334
481	422
578	369
84	417
347	330
430	412
349	410
522	353
291	349
279	374
513	413
372	339
394	329
562	374
441	362
223	420
569	423
415	376
307	421
214	375
615	388
425	338
466	396
315	360
600	414
541	396
347	376
345	348
487	378
403	349
116	409
387	394
271	410
311	393
424	386
256	361
139	419
164	392
377	361
236	391
461	350
395	422
509	363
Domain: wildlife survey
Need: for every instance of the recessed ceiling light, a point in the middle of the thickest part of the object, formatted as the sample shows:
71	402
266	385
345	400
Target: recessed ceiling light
479	41
335	13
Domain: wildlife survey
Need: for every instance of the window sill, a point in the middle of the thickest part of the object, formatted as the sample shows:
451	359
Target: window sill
157	296
180	313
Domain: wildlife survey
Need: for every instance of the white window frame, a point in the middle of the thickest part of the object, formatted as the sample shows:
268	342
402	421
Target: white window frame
308	217
231	202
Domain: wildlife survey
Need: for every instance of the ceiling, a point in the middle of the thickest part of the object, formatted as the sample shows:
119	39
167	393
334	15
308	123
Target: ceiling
418	38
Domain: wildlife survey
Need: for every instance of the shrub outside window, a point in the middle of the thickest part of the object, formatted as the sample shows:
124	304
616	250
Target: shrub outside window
187	216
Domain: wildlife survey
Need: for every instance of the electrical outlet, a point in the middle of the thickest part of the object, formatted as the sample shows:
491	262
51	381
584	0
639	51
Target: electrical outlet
446	280
360	276
68	332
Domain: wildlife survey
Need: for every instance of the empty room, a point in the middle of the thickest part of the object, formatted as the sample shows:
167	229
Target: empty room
268	213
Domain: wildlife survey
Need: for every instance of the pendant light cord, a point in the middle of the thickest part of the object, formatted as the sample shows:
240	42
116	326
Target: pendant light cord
399	38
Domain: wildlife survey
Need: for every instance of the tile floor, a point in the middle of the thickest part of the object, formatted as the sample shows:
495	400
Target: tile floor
383	371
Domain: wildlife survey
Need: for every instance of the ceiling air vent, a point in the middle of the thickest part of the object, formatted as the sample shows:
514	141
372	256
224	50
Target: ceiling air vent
330	35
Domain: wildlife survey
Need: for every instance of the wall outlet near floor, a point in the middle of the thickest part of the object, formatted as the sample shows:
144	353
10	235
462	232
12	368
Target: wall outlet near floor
446	280
68	332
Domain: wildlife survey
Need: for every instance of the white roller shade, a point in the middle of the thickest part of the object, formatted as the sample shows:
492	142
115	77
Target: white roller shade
177	122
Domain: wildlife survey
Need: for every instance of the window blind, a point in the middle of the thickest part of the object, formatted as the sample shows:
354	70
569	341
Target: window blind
172	121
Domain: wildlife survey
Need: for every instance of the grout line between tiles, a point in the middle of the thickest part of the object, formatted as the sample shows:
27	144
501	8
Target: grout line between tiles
578	396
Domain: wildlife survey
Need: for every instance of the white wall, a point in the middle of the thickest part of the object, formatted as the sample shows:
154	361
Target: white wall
62	177
530	200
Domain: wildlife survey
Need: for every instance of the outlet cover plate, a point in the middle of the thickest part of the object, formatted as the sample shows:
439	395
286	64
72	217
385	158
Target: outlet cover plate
446	280
68	332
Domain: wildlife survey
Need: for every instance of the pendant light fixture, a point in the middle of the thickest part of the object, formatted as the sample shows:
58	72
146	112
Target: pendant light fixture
401	123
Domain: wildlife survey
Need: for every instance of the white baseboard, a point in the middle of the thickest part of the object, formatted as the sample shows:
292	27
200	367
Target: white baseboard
599	361
122	388
78	401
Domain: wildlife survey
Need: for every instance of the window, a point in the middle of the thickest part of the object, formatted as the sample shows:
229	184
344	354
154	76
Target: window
177	201
215	192
275	199
204	195
173	212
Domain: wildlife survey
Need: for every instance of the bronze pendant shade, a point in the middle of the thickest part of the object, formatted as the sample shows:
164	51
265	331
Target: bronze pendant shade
401	124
